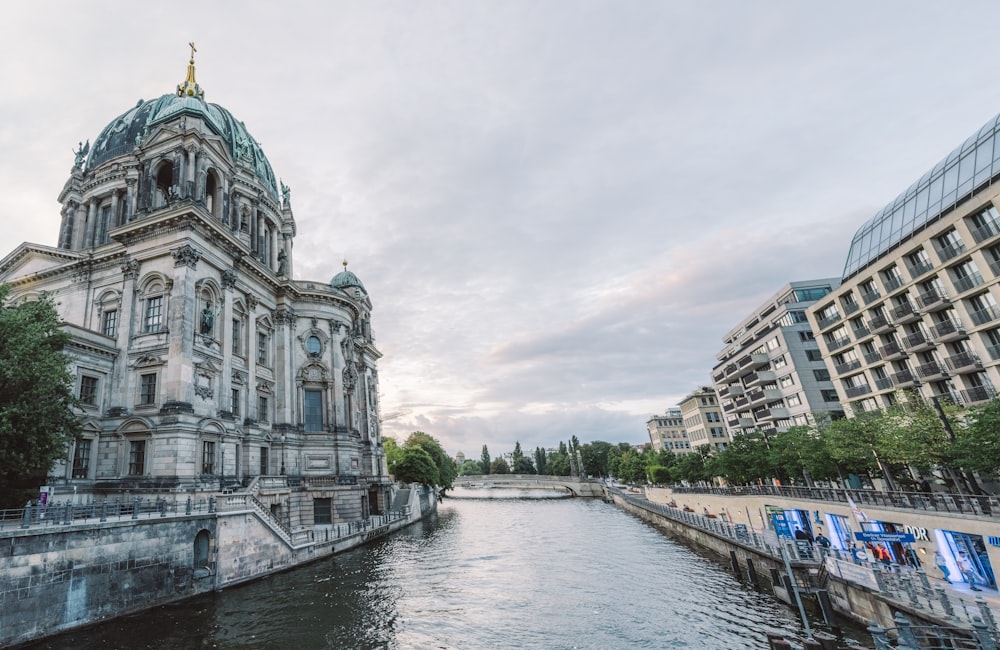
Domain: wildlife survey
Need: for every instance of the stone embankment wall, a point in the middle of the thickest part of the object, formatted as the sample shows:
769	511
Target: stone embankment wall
56	578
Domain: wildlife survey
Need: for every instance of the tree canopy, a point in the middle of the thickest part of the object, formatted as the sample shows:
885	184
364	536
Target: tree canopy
416	466
446	470
37	417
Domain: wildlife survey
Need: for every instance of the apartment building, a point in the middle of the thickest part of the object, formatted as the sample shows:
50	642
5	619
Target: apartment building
771	375
667	432
702	418
917	305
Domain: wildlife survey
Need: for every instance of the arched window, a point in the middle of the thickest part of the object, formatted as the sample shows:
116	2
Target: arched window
213	194
164	181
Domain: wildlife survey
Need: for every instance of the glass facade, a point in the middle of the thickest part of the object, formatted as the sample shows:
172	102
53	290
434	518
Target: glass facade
974	163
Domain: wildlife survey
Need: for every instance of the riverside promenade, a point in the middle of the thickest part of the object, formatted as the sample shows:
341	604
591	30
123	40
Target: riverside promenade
887	598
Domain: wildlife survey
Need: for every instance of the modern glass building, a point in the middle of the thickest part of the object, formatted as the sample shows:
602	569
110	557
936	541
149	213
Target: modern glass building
917	308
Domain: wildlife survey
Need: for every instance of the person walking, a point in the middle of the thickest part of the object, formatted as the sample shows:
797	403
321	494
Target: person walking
942	565
969	571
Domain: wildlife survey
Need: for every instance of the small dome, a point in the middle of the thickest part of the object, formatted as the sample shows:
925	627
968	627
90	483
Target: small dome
346	279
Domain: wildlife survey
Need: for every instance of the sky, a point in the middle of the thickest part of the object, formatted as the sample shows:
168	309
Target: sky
558	207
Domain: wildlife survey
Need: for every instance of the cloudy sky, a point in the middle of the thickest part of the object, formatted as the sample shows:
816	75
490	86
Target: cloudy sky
558	207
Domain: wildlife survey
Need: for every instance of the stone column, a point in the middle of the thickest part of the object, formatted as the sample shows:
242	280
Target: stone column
91	223
178	385
189	170
66	227
129	199
226	382
114	219
284	364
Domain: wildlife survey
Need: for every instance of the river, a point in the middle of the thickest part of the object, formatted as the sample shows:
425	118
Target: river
483	573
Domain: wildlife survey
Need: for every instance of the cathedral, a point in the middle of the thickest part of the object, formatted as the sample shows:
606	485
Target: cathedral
200	363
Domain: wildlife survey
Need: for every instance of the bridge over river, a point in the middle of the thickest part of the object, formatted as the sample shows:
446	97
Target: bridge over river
568	484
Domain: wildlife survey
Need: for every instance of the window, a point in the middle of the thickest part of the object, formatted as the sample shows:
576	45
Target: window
814	355
236	401
712	416
773	343
806	336
109	323
147	389
312	403
208	457
81	459
793	400
786	381
780	362
262	348
136	457
237	337
88	390
829	395
262	413
810	295
313	346
154	314
263	461
322	511
821	374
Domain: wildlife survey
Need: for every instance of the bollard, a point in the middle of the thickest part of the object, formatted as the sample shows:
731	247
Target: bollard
752	574
983	635
26	520
211	505
135	507
187	508
163	507
104	511
945	601
118	506
69	514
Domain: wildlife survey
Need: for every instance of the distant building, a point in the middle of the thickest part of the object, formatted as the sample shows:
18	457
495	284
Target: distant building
702	417
667	432
459	458
917	306
771	374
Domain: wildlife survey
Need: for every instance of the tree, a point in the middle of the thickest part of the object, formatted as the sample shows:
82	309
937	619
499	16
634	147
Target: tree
37	418
540	460
744	460
393	453
850	441
557	463
446	466
595	457
470	468
977	443
499	466
522	464
484	460
691	467
800	451
416	466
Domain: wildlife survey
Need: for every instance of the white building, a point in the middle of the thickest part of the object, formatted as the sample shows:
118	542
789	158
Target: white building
667	432
201	362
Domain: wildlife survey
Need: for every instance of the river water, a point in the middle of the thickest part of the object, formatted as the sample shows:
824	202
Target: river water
485	572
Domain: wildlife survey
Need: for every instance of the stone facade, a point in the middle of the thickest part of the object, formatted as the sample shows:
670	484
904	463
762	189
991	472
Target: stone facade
201	362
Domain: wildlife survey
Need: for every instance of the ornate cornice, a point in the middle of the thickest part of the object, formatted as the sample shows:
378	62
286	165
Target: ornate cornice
186	255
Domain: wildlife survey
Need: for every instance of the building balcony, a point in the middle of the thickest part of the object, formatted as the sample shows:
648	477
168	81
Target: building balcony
893	283
733	424
983	316
892	350
948	330
844	368
976	395
933	301
836	344
920	268
904	379
743	362
728	406
772	414
950	252
830	320
861	332
987	231
918	341
880	324
718	377
931	371
995	267
741	402
994	352
850	308
756	396
883	383
759	360
869	298
746	422
760	377
872	357
736	390
857	391
963	363
904	313
968	282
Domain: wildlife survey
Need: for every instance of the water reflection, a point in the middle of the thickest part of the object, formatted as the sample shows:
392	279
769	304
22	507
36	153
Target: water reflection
483	573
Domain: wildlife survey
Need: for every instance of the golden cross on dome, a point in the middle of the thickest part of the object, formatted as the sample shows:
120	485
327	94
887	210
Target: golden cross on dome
193	50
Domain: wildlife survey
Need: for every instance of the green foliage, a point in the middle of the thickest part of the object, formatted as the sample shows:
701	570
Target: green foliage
658	474
470	468
541	461
484	460
595	457
850	441
977	441
37	420
416	466
393	453
557	464
522	464
446	470
745	459
801	450
631	468
690	468
499	466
